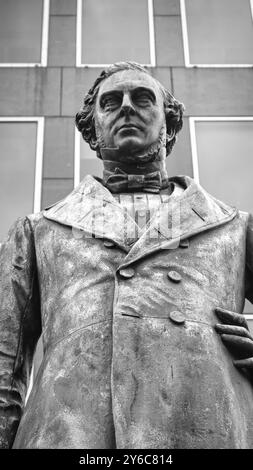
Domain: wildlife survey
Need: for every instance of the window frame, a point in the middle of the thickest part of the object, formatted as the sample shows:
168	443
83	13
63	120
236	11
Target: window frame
77	156
193	140
79	37
38	154
44	42
186	45
37	182
195	159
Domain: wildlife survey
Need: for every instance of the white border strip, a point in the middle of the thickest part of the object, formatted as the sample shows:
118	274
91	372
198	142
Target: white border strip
79	33
151	33
44	42
251	7
77	157
39	164
185	34
187	48
192	127
195	163
79	37
45	29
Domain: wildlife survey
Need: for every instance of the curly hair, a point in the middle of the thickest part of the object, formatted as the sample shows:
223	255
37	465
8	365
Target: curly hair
85	120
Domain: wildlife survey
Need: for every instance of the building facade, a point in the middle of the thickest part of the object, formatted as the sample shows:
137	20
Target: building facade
52	50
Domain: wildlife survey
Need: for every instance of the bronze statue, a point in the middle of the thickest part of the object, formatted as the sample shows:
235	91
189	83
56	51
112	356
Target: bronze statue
125	278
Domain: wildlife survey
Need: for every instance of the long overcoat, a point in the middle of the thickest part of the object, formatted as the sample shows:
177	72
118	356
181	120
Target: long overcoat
131	356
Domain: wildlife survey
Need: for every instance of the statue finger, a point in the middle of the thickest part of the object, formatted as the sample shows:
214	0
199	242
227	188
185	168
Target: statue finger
229	317
240	346
232	330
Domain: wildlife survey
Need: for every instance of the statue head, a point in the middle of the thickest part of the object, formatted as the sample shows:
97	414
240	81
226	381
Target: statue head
128	109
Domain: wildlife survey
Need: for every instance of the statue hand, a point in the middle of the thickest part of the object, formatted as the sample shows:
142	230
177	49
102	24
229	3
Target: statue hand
235	335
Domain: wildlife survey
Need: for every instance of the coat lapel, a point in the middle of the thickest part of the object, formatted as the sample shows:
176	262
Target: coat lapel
92	209
193	212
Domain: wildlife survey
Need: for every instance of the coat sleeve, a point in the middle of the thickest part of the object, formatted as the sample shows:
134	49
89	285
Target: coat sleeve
20	324
249	261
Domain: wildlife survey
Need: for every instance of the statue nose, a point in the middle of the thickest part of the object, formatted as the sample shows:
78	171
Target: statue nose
127	105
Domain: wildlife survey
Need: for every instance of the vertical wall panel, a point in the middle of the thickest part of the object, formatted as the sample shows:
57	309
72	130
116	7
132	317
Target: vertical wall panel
219	31
62	40
21	31
115	30
59	147
225	150
17	171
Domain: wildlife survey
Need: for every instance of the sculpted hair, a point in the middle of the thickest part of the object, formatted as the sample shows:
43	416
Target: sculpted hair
85	119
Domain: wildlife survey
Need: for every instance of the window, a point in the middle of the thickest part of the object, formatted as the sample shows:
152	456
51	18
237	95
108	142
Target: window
23	32
222	150
115	30
222	158
217	32
20	168
86	160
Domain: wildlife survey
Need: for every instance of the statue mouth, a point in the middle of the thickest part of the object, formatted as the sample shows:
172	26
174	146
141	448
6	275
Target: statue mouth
128	126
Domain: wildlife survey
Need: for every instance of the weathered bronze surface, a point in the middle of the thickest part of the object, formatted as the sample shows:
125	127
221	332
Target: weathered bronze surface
133	356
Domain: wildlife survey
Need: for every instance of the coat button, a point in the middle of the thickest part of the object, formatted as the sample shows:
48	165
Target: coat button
127	272
174	276
184	243
177	317
139	179
142	213
108	244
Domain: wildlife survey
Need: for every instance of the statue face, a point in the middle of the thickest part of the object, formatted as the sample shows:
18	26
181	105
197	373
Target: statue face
129	111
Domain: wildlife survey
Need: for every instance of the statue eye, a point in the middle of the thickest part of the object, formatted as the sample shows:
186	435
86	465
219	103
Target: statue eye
110	102
143	99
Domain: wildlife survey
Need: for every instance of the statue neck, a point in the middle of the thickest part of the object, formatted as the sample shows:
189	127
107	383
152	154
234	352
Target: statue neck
146	172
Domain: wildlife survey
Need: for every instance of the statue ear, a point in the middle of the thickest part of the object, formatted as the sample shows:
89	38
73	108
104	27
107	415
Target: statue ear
170	136
93	143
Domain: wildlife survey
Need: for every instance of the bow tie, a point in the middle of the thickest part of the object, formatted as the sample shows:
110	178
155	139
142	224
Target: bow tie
119	181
